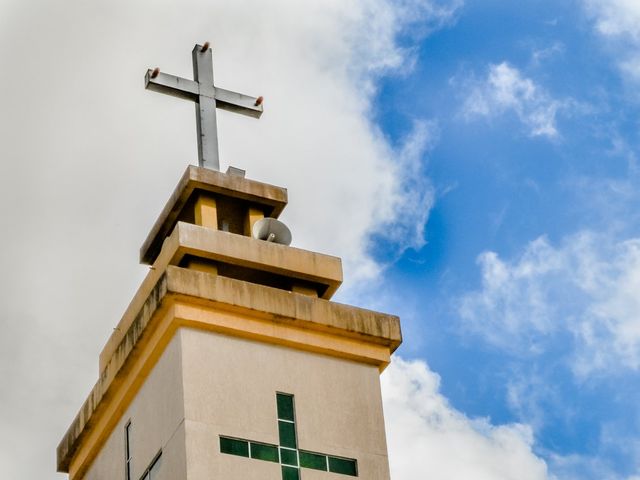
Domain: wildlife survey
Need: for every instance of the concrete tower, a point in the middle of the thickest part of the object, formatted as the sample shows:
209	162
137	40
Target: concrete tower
231	362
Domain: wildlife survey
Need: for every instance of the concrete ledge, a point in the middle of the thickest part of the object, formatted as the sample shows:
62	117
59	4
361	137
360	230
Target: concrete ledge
255	254
273	199
230	306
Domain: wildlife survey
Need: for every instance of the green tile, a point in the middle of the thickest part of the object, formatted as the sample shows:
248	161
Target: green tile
313	460
285	406
343	465
234	447
287	433
290	473
288	457
262	451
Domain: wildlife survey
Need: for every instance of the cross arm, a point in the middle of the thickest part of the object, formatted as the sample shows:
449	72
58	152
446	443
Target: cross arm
238	103
172	85
190	90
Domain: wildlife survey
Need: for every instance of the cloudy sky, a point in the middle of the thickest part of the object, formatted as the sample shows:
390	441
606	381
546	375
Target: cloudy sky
474	163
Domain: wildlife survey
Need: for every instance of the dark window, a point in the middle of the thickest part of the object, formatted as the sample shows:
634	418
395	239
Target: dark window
287	431
234	447
285	406
290	473
313	460
263	451
291	459
343	465
288	457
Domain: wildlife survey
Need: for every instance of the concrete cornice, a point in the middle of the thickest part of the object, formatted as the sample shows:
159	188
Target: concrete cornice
285	307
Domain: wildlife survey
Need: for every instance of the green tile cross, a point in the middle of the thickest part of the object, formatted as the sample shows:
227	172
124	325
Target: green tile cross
287	453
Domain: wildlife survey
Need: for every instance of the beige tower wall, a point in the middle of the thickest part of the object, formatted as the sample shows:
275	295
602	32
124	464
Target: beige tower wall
206	384
157	422
230	385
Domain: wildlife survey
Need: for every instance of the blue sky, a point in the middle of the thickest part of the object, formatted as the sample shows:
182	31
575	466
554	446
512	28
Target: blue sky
504	179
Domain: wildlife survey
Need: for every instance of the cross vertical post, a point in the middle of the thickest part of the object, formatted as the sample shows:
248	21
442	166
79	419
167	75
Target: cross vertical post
207	98
206	121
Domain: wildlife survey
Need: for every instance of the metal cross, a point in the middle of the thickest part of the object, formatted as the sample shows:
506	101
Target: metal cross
207	98
287	454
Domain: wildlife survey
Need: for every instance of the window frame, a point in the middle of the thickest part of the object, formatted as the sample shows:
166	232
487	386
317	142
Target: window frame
127	450
146	475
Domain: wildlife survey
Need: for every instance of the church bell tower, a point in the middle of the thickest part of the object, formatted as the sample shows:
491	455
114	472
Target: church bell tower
231	362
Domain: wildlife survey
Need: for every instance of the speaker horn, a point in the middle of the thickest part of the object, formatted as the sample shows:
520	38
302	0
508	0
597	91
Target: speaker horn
271	230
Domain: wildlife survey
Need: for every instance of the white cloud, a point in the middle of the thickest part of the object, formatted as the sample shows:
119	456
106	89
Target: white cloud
587	287
89	158
428	438
541	55
619	22
525	396
617	17
579	467
506	89
410	204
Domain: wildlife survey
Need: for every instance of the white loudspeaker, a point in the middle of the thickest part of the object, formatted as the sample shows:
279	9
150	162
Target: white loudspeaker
271	230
